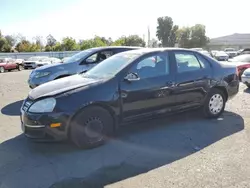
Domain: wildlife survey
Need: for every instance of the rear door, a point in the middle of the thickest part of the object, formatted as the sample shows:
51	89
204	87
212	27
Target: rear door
193	77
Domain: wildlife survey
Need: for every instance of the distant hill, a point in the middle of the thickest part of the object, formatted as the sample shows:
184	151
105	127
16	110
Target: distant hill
234	39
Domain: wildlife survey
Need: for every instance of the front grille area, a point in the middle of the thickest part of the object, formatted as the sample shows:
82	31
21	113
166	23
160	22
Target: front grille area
30	63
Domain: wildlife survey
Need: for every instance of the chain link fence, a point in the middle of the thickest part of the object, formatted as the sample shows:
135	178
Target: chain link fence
26	55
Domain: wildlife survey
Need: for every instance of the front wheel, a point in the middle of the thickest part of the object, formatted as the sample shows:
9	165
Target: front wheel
214	104
91	127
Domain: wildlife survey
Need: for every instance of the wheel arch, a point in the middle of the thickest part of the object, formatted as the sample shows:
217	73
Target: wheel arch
223	89
93	104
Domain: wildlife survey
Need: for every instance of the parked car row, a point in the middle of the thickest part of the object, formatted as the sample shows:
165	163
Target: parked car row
38	61
103	88
8	64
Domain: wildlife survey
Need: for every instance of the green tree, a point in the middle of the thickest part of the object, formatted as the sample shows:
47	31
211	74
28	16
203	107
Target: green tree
39	42
91	43
198	36
11	40
183	37
51	41
48	48
57	47
132	40
163	30
192	37
23	46
119	42
69	44
173	36
3	42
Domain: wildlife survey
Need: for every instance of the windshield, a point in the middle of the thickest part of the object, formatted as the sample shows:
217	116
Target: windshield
78	56
111	66
242	58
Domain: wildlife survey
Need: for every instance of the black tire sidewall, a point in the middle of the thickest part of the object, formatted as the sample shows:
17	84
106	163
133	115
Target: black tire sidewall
206	110
19	68
81	139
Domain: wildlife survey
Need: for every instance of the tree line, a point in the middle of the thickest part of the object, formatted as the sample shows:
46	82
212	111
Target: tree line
168	34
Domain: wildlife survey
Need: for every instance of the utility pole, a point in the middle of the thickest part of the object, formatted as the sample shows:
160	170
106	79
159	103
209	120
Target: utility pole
148	37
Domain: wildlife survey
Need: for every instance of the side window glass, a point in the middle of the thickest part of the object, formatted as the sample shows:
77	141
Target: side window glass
99	56
92	58
186	62
154	66
204	63
107	53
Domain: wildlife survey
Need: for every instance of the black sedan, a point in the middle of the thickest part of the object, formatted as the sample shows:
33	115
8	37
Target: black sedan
132	85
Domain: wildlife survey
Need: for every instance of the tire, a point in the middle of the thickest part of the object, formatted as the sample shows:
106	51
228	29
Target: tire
219	104
248	85
2	70
81	130
19	67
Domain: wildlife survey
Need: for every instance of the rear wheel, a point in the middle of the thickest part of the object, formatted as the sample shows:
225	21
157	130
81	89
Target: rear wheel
19	67
214	104
91	127
2	70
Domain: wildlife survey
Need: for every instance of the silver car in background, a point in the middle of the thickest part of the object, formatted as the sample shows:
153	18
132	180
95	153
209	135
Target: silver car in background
221	56
32	62
78	63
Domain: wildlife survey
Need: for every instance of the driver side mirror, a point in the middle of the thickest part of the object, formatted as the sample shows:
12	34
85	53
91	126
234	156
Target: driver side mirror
131	77
89	61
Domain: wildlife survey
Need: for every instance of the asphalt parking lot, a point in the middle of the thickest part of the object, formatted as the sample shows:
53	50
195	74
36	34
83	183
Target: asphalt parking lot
181	151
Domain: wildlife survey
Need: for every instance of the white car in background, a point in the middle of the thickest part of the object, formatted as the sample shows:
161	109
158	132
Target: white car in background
205	52
38	61
32	62
197	49
221	56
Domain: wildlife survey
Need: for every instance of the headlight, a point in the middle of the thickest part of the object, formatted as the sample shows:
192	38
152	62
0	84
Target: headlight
41	74
45	105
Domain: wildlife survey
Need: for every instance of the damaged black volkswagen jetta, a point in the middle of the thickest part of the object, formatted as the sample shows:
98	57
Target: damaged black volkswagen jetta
87	108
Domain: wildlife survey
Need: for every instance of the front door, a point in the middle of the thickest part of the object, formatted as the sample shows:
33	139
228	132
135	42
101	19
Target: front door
152	92
192	79
9	64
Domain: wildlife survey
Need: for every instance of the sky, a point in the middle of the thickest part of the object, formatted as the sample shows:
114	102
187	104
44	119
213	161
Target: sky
82	19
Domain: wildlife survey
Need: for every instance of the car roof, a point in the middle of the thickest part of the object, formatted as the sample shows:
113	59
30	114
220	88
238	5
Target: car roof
149	50
115	47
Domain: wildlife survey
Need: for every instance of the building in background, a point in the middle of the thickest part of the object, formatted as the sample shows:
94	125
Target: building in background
237	41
